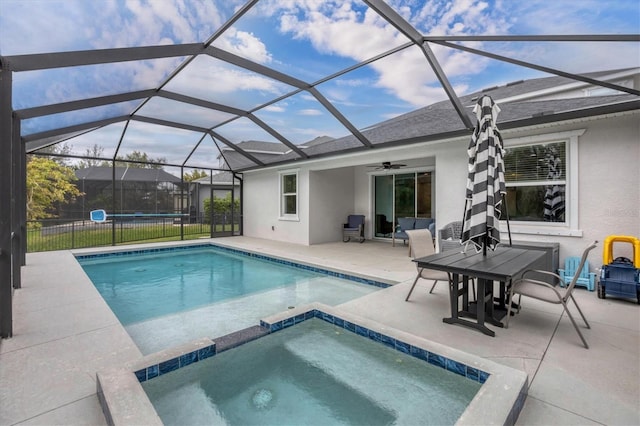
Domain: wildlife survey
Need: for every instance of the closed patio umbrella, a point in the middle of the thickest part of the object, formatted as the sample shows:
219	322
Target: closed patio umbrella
485	182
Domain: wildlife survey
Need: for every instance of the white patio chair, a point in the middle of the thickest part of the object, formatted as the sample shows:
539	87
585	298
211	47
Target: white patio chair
421	245
550	293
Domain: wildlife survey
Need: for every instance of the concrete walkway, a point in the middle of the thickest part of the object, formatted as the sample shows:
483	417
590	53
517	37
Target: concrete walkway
64	332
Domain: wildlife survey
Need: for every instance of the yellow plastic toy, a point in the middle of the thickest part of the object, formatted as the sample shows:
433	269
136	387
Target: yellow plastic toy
620	277
607	253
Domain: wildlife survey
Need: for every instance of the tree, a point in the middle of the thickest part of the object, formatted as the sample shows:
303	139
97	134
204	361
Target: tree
140	160
58	152
220	206
49	184
194	175
93	154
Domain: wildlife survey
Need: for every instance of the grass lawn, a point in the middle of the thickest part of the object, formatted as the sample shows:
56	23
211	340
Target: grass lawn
71	237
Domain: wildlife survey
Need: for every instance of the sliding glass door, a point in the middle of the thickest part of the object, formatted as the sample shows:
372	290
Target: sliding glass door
400	195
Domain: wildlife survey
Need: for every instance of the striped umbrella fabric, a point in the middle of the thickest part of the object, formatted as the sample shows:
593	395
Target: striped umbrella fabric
485	182
554	194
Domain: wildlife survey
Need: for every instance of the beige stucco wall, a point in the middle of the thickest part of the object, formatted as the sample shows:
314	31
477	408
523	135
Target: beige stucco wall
332	201
262	207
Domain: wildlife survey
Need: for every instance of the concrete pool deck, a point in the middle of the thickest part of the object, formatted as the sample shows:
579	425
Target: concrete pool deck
64	333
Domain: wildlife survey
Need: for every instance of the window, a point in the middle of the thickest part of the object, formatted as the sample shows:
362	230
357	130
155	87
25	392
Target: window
289	195
536	182
541	178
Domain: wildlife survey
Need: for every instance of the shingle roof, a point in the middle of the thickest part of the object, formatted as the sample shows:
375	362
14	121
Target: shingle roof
440	119
253	145
220	177
131	174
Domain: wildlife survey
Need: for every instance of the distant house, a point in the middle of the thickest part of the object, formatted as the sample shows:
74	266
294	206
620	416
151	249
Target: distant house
136	190
590	133
219	184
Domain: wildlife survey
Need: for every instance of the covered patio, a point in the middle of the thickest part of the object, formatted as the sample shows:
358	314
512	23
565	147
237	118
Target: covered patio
65	333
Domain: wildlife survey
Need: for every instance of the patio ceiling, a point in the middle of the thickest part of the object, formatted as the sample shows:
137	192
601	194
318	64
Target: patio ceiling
187	104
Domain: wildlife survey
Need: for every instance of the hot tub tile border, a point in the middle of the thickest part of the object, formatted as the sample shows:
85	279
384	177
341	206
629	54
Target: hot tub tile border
175	363
432	358
188	358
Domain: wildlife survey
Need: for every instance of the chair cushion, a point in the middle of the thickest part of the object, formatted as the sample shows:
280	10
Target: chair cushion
406	223
423	222
400	235
354	221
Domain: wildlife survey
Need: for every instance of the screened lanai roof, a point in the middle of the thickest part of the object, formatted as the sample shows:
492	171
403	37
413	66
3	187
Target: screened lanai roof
190	82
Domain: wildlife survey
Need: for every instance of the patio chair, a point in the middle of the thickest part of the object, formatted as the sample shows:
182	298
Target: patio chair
421	244
354	228
549	292
450	236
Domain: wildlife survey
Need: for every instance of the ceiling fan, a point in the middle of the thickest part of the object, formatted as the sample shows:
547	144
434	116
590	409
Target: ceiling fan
387	165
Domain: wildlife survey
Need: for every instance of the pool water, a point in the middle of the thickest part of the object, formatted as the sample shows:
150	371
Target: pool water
165	298
312	373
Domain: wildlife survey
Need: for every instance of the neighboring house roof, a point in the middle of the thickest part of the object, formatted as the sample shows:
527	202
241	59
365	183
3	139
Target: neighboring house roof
132	174
257	147
222	178
316	141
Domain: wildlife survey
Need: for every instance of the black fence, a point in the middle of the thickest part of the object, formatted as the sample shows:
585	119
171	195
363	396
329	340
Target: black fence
56	234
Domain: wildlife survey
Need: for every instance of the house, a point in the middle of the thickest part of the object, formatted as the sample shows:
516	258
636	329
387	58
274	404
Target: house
597	152
136	189
221	183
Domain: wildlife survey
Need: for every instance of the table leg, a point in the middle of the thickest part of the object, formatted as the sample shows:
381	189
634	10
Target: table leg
455	293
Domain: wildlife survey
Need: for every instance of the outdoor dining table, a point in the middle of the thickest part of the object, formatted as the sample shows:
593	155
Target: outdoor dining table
501	265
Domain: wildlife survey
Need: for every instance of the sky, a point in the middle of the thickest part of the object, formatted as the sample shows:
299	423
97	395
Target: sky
307	39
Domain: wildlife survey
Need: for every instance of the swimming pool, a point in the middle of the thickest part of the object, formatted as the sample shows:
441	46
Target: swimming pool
172	295
313	373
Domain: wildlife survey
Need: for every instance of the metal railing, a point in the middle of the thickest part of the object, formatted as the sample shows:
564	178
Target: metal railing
65	234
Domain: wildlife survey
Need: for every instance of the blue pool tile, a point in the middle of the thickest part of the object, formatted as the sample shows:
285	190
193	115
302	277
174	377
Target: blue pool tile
264	324
288	322
338	322
419	353
350	326
483	377
188	358
299	318
141	375
327	317
377	337
276	326
438	360
473	373
389	341
206	352
456	367
310	314
402	346
362	331
152	371
169	365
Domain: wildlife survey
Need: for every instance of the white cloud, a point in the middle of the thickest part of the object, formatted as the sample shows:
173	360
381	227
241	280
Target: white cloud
338	28
274	108
353	82
310	111
244	44
209	78
348	32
